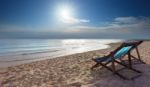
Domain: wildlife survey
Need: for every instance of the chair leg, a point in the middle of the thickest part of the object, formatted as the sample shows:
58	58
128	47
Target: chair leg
129	59
138	54
128	67
114	70
113	66
96	65
138	59
104	65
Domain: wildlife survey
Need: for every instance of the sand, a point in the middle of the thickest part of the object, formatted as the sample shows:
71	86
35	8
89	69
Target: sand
74	71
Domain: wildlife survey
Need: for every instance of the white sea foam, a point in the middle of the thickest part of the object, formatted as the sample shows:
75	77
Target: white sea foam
21	51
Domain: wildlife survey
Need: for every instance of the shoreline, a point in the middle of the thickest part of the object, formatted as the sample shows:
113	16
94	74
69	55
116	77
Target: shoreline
73	71
25	59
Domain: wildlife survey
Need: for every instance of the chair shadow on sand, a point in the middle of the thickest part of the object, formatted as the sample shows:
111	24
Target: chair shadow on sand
104	78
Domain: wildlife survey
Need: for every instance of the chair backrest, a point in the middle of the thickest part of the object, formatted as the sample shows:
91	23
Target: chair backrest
123	51
125	48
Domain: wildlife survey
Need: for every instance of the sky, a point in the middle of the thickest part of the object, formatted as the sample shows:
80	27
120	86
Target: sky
111	19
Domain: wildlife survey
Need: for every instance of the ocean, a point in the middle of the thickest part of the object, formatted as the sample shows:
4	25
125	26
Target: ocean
28	50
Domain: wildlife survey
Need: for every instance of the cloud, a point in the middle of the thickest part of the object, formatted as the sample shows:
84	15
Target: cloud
120	23
11	28
126	20
132	24
120	27
72	20
84	20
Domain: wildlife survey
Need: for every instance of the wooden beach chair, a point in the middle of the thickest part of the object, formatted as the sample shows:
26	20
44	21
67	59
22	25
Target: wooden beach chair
117	55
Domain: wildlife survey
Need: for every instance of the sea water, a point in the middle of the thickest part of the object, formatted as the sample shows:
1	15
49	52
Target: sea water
27	50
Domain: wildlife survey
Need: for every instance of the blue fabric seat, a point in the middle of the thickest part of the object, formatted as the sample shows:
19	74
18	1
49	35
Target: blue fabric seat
120	53
102	59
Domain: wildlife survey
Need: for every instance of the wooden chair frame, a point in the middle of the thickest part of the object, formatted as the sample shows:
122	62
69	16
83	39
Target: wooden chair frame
112	68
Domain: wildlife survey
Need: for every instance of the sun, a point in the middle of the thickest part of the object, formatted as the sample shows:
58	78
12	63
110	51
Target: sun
65	13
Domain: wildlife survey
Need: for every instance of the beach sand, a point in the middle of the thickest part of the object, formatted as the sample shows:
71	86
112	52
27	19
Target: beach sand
74	71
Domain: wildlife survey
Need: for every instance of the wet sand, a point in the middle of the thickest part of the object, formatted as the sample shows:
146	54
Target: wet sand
74	71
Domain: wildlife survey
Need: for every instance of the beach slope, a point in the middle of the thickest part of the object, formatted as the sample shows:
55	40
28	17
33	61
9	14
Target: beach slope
74	71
